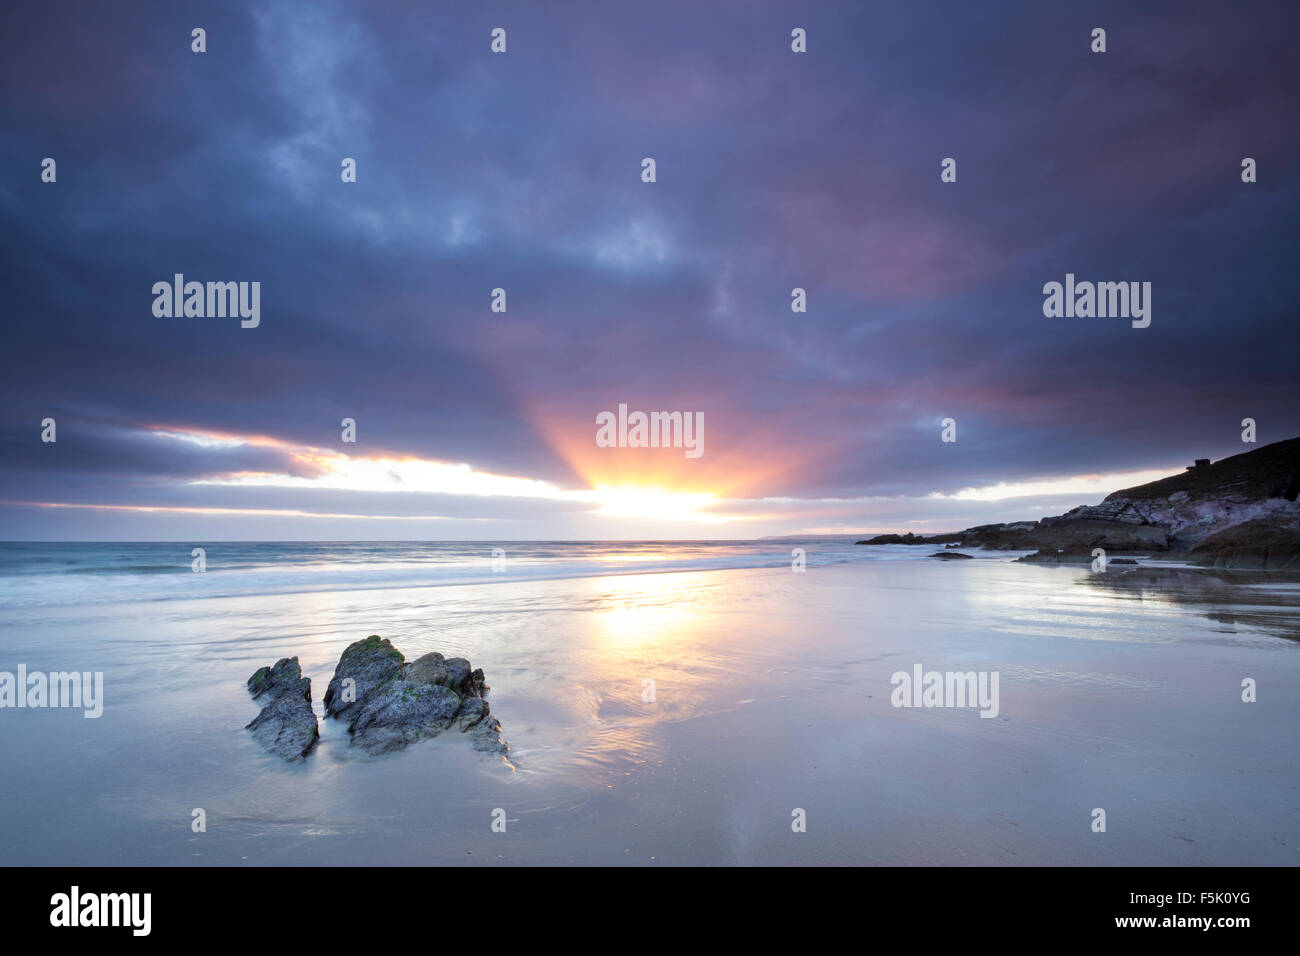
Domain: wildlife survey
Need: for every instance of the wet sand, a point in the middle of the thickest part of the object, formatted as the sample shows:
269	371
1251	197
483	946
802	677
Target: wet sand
772	694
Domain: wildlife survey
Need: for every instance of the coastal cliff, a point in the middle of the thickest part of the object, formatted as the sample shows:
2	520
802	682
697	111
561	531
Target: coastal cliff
1239	512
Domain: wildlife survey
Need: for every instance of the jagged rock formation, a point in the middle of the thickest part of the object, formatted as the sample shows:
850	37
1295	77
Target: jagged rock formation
287	724
390	703
367	664
1239	512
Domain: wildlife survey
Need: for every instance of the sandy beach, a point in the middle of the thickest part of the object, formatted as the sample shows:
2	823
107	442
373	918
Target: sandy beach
771	694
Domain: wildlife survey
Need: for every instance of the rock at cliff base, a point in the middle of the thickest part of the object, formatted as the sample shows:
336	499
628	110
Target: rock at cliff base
1260	544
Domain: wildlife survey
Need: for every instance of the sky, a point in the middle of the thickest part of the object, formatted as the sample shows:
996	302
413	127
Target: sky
523	171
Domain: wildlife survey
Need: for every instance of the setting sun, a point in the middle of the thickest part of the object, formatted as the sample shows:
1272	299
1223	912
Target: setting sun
638	502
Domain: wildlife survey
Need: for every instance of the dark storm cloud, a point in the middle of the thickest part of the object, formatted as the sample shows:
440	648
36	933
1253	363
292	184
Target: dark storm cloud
522	171
94	448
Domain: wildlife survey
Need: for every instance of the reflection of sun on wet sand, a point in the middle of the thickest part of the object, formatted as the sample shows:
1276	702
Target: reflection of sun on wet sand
1269	600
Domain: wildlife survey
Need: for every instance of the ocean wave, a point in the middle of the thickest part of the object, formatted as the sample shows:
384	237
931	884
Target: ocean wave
61	574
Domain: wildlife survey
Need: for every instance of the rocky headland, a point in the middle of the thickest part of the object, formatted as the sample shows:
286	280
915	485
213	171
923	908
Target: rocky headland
1238	512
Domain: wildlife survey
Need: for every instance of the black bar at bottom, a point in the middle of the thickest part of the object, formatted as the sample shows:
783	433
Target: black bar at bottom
368	905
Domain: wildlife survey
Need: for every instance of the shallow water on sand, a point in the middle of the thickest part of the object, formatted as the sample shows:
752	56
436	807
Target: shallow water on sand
772	693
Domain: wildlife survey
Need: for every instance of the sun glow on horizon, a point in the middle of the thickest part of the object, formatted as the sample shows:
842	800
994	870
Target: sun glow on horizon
336	471
620	485
627	501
